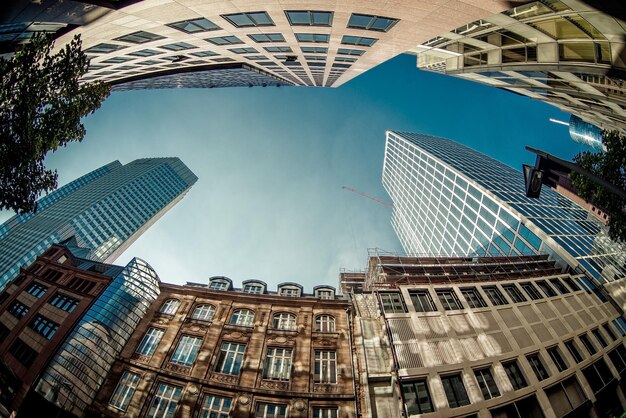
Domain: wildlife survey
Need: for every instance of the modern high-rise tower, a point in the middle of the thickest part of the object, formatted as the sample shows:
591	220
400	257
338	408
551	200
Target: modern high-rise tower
452	200
105	210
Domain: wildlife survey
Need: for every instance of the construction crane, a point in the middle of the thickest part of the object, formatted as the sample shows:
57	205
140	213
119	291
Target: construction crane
360	193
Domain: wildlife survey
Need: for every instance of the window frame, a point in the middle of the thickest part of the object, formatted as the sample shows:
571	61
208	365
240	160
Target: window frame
170	306
149	342
446	302
495	295
279	320
325	371
386	299
534	359
413	384
278	358
485	387
319	323
455	391
186	351
311	15
249	15
373	19
248	318
124	392
515	374
230	360
473	297
203	312
158	397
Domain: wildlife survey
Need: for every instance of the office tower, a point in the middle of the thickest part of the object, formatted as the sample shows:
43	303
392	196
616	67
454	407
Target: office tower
215	351
64	318
449	199
497	337
567	53
105	210
302	43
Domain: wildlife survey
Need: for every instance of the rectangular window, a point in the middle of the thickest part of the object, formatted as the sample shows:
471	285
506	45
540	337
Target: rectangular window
150	341
140	37
277	49
103	49
537	365
325	412
417	397
515	374
473	298
455	391
557	358
495	296
545	287
392	302
524	408
63	302
178	46
531	291
124	390
231	358
18	310
277	364
357	40
559	286
599	337
36	290
514	293
194	25
165	401
249	19
269	410
565	396
325	366
309	18
486	383
448	299
347	51
368	22
23	353
588	344
215	407
609	331
44	327
574	351
618	358
422	302
313	37
224	40
598	375
571	284
186	350
267	37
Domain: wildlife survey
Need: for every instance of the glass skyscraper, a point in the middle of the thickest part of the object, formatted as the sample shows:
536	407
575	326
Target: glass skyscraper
105	210
452	200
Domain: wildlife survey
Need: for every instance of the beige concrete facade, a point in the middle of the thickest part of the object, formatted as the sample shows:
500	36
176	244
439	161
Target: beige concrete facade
402	342
302	390
417	21
563	52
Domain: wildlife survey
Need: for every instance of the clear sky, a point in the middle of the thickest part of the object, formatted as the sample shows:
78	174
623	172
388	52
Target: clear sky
271	162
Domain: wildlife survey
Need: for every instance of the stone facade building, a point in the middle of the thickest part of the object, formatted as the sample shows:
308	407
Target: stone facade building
214	351
512	337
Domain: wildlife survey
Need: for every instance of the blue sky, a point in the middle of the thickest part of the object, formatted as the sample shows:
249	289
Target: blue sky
271	163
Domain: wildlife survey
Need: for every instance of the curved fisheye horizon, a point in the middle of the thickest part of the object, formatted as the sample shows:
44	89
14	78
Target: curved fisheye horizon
292	209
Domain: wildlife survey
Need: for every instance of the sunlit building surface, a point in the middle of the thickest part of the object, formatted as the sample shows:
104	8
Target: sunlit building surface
301	43
563	52
77	308
502	337
452	200
215	351
105	210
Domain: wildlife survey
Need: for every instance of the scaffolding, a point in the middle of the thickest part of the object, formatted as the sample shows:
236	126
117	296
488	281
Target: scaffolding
388	270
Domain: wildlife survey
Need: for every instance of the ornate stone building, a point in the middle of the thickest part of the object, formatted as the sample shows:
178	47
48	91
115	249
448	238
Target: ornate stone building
215	351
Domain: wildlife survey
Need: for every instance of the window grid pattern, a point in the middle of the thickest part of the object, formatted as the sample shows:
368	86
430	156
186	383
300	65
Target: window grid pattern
417	398
325	412
170	306
514	293
422	301
277	364
392	302
574	351
325	366
495	296
203	312
165	401
18	310
537	365
231	358
150	341
325	323
186	350
557	358
487	384
37	290
124	390
44	327
284	321
515	375
368	22
243	317
64	302
449	300
215	406
455	391
269	410
473	298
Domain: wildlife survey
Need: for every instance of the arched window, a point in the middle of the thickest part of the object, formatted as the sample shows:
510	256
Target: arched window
170	306
243	317
284	321
203	312
324	323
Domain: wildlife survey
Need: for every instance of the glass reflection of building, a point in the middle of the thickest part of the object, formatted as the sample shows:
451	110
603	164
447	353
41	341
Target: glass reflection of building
585	133
81	364
105	210
563	52
450	199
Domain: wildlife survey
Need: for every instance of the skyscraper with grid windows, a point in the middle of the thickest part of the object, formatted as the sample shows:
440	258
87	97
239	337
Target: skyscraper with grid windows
106	210
452	200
